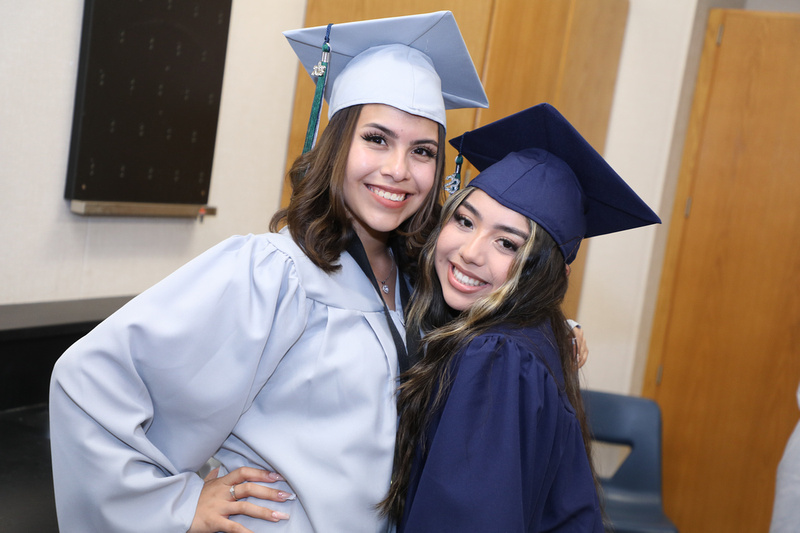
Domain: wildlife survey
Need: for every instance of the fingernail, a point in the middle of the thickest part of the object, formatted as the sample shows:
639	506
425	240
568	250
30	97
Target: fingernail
280	516
274	476
286	495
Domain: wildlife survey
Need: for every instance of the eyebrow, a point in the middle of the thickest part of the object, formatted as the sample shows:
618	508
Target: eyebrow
502	227
393	134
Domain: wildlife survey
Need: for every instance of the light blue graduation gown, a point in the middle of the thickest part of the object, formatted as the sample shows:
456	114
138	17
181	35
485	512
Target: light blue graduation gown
248	353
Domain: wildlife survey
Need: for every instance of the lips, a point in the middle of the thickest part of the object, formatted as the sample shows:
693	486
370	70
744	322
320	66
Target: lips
386	195
464	279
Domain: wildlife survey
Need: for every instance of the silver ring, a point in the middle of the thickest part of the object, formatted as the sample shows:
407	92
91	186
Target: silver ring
233	493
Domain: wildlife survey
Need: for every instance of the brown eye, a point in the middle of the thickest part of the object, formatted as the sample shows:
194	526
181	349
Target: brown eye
509	245
427	152
374	138
461	220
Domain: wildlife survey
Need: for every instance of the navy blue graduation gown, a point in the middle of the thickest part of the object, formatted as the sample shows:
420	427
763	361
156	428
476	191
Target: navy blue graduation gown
505	452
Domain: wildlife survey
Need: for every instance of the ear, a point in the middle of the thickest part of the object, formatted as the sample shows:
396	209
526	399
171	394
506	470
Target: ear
568	268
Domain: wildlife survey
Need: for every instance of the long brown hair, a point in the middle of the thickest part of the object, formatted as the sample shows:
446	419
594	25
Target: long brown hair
532	294
317	216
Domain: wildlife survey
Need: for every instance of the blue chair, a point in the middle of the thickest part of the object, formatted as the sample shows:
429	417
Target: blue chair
632	495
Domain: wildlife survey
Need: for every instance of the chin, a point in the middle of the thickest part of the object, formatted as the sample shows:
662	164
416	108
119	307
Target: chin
457	302
387	224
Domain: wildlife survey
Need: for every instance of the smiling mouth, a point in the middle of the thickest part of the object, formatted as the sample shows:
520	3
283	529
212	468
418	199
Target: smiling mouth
466	280
393	197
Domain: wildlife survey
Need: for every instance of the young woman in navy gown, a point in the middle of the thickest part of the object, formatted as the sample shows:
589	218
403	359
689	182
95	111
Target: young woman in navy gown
492	435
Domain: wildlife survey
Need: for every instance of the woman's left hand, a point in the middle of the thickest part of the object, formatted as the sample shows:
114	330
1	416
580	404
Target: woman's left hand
221	498
581	348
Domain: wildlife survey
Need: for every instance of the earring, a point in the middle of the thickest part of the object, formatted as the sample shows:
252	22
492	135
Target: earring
453	182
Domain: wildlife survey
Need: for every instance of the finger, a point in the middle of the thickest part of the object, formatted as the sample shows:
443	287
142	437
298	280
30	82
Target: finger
583	351
246	473
256	511
256	490
229	526
214	518
583	355
212	475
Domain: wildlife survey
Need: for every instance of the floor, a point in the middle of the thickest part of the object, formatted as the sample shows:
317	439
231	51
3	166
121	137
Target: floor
27	504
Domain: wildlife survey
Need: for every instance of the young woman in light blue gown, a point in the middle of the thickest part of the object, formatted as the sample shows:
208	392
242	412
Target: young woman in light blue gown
277	352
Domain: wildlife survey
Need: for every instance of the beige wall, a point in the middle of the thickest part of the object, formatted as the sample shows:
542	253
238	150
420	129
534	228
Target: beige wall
651	105
51	254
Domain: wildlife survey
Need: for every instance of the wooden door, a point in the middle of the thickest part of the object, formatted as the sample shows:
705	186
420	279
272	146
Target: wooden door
725	356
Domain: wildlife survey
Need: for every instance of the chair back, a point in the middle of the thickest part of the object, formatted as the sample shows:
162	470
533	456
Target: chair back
630	421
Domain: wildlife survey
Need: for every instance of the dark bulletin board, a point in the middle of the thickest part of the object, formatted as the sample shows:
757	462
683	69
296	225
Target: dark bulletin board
147	100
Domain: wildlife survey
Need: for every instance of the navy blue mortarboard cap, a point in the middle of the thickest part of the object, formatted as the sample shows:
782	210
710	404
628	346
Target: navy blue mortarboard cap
537	164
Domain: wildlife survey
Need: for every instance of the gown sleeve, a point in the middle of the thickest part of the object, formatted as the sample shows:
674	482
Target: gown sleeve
497	448
143	400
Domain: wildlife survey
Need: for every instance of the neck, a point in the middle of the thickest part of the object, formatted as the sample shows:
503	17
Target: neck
380	261
375	244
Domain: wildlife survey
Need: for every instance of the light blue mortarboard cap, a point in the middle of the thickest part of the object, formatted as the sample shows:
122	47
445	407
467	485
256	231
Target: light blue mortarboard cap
417	63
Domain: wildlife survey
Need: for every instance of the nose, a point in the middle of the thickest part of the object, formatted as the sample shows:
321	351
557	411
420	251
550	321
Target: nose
395	165
471	250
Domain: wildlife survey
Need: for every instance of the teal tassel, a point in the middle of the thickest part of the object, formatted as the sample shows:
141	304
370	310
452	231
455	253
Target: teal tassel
321	72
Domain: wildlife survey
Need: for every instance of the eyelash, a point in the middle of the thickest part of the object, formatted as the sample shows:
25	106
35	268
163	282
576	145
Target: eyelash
427	152
465	222
509	245
372	137
461	220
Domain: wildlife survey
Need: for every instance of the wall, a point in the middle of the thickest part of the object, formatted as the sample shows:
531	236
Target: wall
785	6
52	254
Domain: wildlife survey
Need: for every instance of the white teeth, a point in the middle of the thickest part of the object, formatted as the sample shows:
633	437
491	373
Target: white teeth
388	195
466	280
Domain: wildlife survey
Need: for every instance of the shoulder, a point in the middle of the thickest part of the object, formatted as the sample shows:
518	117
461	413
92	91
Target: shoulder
268	258
530	352
528	343
267	244
346	288
254	247
267	254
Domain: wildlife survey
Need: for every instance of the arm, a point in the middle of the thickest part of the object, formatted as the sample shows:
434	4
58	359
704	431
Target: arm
141	402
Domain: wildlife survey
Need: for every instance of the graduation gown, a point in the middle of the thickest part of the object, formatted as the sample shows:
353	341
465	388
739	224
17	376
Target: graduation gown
785	511
505	452
248	353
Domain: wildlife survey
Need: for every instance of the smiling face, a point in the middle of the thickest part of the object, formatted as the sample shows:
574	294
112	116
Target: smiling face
391	168
476	247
